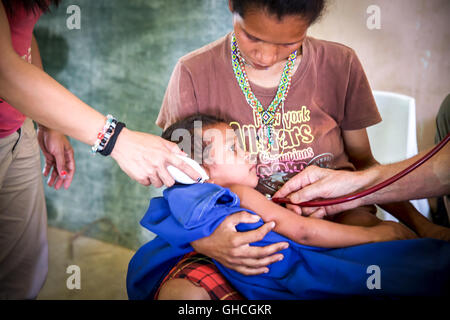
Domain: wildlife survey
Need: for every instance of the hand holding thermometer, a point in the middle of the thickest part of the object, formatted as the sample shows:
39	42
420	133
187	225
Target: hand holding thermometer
354	196
181	177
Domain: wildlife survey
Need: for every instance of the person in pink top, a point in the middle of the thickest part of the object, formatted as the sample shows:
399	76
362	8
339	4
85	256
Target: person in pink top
27	93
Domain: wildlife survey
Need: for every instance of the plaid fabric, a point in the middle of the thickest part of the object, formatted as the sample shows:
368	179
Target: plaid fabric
201	271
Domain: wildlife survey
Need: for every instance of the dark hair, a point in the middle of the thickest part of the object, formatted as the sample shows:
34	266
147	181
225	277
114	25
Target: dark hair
29	5
309	9
190	124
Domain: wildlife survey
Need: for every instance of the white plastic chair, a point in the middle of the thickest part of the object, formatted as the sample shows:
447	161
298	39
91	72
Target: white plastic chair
394	139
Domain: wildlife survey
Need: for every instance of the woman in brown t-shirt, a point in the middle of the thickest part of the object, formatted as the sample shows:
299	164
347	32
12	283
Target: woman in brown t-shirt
317	114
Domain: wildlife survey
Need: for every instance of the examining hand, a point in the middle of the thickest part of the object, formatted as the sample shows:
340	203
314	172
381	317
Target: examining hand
232	248
144	157
58	154
314	183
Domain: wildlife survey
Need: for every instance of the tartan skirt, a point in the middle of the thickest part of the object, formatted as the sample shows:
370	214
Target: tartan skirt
201	271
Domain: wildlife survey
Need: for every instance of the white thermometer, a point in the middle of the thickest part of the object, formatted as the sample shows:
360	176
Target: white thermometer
181	177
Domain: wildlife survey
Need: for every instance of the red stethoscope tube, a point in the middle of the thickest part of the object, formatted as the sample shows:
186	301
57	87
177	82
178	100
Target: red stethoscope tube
354	196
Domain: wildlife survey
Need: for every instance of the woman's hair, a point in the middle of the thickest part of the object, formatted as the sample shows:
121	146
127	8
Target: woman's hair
308	9
29	5
190	125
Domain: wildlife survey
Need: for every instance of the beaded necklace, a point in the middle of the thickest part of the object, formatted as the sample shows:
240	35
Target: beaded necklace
266	117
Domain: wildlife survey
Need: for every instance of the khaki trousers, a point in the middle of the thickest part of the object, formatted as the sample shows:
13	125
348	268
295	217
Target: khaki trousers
23	216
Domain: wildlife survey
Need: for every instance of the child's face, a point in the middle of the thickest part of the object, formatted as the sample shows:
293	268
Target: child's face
226	162
264	40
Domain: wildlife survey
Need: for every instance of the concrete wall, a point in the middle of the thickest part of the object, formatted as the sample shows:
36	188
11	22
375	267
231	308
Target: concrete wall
409	54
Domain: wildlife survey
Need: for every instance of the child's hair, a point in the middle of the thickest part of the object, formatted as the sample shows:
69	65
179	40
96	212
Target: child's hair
29	5
191	124
309	9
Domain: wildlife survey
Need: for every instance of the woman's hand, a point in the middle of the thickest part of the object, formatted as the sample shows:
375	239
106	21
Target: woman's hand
58	154
144	157
232	248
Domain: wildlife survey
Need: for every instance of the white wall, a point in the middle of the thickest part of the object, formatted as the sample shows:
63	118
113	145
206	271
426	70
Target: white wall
409	54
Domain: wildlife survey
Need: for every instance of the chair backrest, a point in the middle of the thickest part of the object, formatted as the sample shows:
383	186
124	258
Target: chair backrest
394	139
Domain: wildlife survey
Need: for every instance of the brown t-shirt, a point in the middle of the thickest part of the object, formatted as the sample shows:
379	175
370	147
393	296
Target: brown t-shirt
329	93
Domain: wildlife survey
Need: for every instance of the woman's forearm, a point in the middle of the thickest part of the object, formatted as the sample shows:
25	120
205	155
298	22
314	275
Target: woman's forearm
38	96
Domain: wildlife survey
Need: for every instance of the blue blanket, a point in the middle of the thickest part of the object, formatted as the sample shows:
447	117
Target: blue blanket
419	267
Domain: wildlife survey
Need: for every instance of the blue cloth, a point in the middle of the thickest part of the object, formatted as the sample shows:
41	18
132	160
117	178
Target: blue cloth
186	213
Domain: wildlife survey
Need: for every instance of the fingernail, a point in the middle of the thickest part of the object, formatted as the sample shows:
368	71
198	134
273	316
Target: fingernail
272	225
266	271
281	258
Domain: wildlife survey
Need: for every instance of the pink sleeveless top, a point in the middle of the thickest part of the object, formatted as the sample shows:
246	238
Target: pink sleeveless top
21	25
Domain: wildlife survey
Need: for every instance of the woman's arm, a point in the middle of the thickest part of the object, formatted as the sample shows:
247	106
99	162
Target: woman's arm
37	95
315	232
144	157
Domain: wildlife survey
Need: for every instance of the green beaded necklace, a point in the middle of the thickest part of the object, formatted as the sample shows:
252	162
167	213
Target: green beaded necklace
267	117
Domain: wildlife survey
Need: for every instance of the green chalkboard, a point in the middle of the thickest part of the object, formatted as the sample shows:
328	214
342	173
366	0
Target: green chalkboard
119	62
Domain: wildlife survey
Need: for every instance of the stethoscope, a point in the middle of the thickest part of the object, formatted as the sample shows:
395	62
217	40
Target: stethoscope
360	194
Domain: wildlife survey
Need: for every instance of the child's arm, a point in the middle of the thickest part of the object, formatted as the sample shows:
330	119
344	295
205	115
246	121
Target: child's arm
316	232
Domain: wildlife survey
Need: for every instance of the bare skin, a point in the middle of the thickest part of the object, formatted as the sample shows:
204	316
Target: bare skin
181	289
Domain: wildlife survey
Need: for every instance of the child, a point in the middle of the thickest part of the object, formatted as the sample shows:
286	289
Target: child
309	270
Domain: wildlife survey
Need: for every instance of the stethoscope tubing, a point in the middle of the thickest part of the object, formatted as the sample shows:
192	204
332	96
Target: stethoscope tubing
360	194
